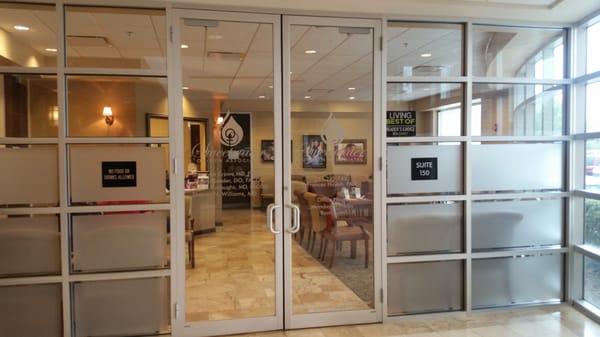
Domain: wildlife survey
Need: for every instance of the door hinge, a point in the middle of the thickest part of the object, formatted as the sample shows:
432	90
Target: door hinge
171	33
380	163
381	42
174	166
381	295
176	310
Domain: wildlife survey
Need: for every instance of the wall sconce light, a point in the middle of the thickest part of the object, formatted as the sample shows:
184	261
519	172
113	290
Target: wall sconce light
108	115
220	120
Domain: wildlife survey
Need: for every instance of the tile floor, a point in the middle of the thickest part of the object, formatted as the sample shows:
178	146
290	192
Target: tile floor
234	274
552	321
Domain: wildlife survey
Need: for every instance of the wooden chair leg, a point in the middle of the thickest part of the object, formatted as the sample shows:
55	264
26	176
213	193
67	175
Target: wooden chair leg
321	243
366	253
192	249
353	249
313	242
323	254
332	259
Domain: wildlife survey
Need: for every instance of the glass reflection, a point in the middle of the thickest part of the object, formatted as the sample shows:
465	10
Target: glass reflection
502	51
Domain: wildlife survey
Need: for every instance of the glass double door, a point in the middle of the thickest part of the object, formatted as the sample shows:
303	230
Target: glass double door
276	195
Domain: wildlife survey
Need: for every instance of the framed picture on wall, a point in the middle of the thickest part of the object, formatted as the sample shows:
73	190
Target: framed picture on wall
351	151
267	150
314	152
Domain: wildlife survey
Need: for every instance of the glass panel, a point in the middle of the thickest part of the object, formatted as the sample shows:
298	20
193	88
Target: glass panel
425	228
593	50
592	164
446	173
228	135
118	174
592	106
529	167
424	49
500	51
29	106
112	242
437	108
22	184
109	37
519	110
112	106
517	280
28	35
332	158
133	307
517	223
31	310
591	281
29	245
591	229
425	287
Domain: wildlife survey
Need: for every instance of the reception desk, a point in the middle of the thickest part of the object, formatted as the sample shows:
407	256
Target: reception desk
202	209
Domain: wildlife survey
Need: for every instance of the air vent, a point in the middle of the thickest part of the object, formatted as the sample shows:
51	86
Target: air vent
433	70
317	91
87	41
226	55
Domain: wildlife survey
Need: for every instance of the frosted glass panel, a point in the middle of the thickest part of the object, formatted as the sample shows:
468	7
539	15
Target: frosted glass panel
121	308
31	311
421	228
449	169
29	175
29	245
517	223
517	167
425	287
119	241
88	183
507	281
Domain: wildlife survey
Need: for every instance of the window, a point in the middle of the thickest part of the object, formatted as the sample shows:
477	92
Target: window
592	106
593	48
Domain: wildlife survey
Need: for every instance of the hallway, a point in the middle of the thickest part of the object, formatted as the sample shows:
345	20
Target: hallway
553	321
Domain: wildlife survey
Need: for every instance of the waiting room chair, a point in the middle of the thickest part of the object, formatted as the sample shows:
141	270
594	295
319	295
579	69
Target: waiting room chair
335	233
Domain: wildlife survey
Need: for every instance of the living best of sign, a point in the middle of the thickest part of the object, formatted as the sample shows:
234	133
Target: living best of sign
401	123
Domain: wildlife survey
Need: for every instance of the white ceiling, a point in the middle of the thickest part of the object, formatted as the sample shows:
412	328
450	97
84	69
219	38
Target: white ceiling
564	11
234	59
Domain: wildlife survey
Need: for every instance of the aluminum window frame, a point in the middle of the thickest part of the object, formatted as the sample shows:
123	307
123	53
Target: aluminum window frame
467	140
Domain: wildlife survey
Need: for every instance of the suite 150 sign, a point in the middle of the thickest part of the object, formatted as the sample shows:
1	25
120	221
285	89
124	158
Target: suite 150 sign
424	168
401	123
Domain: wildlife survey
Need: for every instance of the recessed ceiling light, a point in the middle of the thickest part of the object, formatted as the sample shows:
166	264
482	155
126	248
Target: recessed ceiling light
184	46
261	96
310	51
307	97
426	55
352	88
21	28
270	87
185	88
351	97
52	50
215	37
426	89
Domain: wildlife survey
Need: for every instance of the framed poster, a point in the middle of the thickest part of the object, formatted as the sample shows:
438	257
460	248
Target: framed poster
401	124
267	150
351	151
314	152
